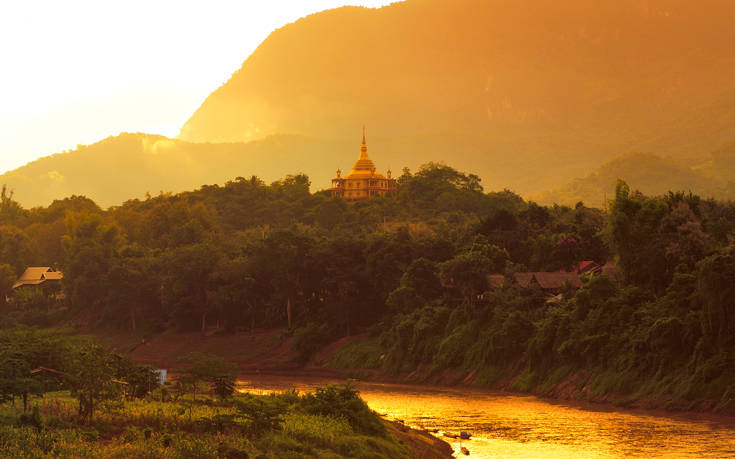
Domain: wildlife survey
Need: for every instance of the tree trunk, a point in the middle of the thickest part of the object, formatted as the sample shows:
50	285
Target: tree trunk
132	319
25	402
204	322
288	312
347	320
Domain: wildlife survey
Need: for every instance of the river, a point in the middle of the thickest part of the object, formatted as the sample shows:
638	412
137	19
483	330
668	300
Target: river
504	425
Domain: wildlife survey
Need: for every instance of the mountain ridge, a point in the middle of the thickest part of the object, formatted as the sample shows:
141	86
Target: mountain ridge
530	96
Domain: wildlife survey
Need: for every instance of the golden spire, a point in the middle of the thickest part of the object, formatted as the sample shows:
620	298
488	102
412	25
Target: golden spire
363	148
364	167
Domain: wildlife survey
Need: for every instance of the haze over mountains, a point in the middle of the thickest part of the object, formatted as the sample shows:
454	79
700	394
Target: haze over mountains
527	94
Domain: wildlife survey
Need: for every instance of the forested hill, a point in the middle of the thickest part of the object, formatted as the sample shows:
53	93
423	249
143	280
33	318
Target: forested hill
130	165
528	94
651	174
133	165
408	273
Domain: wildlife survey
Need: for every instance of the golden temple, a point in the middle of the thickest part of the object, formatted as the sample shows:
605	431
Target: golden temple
363	182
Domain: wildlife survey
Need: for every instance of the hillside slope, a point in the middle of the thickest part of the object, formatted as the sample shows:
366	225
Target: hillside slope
713	176
129	165
647	173
528	94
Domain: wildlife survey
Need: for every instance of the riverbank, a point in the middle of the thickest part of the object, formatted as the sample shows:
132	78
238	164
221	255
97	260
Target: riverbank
422	443
269	352
263	352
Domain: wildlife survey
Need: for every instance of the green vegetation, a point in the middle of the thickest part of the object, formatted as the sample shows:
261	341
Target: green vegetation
663	328
83	401
651	174
245	425
202	368
410	274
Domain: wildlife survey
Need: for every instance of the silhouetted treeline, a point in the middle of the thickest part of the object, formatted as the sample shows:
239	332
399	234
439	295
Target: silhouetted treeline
410	271
248	254
665	327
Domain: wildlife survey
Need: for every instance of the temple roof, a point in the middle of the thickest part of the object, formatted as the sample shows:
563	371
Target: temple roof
364	167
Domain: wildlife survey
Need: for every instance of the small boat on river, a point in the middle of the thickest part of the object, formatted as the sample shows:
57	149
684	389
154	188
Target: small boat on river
464	450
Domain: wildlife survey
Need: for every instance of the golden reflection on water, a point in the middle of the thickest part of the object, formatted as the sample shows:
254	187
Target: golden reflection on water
523	426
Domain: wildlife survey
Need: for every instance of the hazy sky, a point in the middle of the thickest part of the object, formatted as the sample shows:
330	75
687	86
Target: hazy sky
76	71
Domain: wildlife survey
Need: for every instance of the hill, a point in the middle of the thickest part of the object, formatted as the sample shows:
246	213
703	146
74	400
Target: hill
527	94
650	174
129	165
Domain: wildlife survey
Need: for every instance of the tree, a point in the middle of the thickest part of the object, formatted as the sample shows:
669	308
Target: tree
90	248
141	379
206	368
633	232
264	415
15	376
467	272
687	242
188	279
90	375
715	292
286	257
11	213
422	276
134	286
15	248
7	278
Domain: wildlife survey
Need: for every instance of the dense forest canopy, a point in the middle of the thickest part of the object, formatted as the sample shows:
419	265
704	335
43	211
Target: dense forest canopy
410	272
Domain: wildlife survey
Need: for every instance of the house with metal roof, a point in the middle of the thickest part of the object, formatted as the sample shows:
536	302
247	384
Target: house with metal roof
37	275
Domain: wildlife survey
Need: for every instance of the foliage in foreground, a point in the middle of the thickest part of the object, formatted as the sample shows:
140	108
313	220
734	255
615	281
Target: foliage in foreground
246	425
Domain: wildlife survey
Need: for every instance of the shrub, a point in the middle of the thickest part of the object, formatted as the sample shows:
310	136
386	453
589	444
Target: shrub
308	340
343	402
32	419
265	414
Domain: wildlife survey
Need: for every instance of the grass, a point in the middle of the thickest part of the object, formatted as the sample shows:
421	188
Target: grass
181	429
487	375
526	381
359	353
554	378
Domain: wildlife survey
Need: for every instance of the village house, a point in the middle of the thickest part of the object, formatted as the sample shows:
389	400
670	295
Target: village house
38	275
552	282
549	282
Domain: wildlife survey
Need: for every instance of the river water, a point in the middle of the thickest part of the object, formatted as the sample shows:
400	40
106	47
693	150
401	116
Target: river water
505	425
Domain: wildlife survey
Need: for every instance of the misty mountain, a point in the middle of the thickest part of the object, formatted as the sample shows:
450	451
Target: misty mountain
650	174
528	94
129	165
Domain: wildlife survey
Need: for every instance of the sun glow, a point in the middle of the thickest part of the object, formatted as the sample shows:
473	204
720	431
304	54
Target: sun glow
75	72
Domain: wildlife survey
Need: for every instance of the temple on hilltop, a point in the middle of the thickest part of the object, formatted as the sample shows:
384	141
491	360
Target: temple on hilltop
363	182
